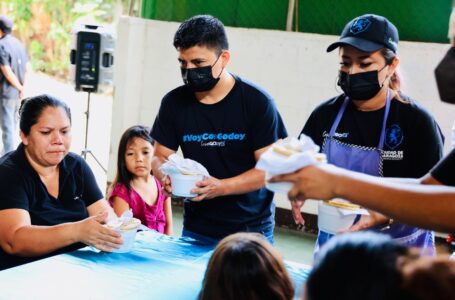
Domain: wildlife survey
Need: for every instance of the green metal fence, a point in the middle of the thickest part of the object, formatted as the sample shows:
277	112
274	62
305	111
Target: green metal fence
417	20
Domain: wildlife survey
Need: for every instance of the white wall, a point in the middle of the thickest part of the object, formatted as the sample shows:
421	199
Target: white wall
293	67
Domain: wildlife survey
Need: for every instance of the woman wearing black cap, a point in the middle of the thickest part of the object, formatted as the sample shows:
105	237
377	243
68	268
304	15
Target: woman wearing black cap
372	127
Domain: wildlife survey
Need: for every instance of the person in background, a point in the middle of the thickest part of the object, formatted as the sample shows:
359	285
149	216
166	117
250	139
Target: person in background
427	202
13	66
373	127
244	266
225	123
135	187
50	201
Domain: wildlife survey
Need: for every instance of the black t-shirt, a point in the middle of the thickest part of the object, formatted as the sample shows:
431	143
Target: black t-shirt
22	188
413	141
13	54
222	137
444	171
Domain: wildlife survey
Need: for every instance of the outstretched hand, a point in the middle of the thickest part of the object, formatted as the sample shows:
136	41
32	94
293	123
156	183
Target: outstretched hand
312	182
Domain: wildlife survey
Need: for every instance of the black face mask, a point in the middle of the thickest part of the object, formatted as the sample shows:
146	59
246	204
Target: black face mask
200	79
445	77
360	86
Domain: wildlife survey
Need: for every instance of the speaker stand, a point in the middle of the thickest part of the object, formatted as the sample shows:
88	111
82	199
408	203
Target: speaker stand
86	151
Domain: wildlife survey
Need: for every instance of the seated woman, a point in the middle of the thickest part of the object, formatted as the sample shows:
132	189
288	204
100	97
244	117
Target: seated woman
245	266
50	202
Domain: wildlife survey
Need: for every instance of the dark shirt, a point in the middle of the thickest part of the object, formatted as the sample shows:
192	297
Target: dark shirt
13	54
22	188
444	171
222	137
413	141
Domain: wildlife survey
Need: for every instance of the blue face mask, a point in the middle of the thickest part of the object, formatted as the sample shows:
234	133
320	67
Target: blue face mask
200	79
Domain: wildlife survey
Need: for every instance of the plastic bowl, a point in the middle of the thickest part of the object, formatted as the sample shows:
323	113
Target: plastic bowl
128	233
331	220
183	184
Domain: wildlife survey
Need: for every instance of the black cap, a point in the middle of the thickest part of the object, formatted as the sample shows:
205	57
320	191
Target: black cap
6	25
368	33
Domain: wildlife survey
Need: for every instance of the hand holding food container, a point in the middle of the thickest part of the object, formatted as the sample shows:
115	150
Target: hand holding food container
287	156
291	154
184	174
127	226
337	215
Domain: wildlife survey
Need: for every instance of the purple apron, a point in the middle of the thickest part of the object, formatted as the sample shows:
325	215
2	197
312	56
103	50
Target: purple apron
368	160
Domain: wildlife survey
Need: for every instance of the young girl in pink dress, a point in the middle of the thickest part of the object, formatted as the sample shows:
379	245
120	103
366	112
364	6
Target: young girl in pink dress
135	187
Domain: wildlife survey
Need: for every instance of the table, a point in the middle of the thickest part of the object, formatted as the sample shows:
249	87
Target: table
159	267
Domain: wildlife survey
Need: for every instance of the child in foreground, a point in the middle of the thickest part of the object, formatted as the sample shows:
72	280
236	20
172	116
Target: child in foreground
245	266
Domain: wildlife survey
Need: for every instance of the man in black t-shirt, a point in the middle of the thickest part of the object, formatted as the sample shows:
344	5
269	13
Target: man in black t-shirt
13	62
223	122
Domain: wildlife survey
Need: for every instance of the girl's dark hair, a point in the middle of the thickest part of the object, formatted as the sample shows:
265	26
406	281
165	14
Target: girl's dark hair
244	266
32	108
201	30
357	266
123	175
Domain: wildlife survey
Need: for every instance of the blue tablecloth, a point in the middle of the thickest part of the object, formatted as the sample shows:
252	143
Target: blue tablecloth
159	267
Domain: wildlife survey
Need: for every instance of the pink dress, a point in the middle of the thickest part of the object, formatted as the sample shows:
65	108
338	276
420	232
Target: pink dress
151	216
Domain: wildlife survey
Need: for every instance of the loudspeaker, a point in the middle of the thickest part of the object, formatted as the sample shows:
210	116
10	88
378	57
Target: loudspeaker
92	58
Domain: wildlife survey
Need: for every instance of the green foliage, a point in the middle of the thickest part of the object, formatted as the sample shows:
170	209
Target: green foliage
22	9
36	52
48	39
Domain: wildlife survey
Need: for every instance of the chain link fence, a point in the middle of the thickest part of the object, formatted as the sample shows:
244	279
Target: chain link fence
417	20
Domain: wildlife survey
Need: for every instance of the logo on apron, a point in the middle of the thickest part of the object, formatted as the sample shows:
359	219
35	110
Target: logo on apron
394	137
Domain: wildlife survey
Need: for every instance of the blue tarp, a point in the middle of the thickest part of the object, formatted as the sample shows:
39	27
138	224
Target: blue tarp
159	267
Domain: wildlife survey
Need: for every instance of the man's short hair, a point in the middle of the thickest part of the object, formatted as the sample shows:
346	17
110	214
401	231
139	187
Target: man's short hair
201	30
6	25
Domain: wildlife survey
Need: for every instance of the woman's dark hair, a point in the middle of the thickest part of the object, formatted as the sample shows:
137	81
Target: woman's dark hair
395	80
357	266
201	30
32	108
244	266
123	175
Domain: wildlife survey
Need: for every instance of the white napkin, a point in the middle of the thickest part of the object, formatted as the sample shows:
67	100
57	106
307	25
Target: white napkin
125	218
275	163
176	164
